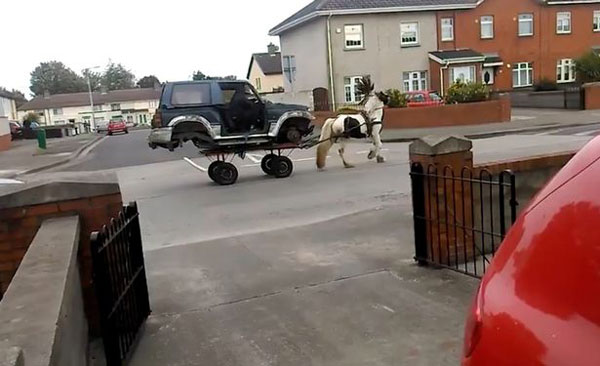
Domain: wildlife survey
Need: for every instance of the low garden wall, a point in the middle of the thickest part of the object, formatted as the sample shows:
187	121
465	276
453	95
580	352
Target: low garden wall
4	134
592	95
493	111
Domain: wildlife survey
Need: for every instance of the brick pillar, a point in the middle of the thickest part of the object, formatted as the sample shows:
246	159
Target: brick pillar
447	201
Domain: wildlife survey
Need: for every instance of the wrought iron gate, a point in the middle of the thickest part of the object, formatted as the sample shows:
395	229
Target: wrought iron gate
461	220
120	283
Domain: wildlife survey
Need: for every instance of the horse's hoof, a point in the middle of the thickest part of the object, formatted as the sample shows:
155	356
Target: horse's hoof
380	159
371	155
348	166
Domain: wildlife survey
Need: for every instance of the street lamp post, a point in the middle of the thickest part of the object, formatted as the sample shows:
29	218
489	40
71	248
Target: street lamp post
89	83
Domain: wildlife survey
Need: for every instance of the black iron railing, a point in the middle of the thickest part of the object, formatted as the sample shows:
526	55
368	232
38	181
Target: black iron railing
120	283
461	220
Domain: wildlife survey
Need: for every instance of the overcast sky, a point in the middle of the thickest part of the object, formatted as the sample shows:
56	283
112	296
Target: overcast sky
168	38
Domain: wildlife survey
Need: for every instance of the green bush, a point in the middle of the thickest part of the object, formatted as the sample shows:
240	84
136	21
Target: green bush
31	117
545	85
461	92
588	67
397	98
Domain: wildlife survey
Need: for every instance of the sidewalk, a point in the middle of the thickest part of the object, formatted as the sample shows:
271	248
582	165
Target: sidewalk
523	119
25	157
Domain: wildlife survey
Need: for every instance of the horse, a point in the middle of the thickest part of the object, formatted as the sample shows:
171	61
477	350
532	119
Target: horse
368	123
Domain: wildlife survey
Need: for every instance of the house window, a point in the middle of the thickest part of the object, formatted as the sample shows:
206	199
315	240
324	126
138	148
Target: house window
487	75
98	108
447	29
258	84
351	93
409	34
563	23
414	80
565	71
115	107
57	111
353	36
597	21
465	74
525	25
522	74
289	68
487	27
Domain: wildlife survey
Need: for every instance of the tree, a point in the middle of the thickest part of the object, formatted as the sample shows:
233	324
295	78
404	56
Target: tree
148	82
55	78
117	77
199	75
588	67
95	79
30	117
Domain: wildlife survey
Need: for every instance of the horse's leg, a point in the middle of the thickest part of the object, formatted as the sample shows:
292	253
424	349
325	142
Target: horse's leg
342	149
376	150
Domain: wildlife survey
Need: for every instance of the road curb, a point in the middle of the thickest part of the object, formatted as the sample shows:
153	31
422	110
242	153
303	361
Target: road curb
73	156
489	134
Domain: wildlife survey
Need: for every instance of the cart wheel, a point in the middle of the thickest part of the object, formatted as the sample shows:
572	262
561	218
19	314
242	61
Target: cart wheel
225	173
282	166
267	163
294	136
211	169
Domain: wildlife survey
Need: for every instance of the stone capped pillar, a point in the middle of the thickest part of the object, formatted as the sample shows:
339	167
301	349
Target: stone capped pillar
442	201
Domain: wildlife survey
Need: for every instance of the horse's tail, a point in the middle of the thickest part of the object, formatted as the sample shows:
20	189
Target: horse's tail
325	143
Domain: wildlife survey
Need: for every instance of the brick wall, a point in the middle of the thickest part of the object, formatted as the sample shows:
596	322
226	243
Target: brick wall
450	115
18	227
592	96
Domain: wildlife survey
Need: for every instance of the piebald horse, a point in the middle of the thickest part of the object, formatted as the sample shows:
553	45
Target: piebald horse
367	124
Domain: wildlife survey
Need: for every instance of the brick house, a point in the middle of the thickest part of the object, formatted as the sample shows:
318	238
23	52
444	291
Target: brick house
519	42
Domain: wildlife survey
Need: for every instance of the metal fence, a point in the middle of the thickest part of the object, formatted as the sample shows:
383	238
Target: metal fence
460	219
120	283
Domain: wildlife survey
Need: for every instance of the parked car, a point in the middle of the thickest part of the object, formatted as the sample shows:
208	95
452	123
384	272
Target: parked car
16	130
539	301
222	115
423	99
118	125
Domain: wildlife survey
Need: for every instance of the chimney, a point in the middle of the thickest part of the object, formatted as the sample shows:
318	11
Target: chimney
272	48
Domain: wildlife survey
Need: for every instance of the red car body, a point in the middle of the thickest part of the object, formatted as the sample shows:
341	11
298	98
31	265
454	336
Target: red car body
423	99
117	126
539	302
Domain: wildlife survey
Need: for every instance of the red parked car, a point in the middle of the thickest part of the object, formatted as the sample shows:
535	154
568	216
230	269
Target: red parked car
539	302
117	126
423	99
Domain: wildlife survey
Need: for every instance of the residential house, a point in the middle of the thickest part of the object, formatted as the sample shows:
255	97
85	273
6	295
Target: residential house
8	105
133	105
515	43
265	72
415	45
331	44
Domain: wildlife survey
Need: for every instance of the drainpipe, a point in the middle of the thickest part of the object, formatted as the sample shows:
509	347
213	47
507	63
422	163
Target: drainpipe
445	67
330	61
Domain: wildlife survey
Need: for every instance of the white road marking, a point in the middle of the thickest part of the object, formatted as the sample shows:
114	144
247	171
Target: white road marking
521	118
552	132
586	133
386	308
304	159
200	168
255	157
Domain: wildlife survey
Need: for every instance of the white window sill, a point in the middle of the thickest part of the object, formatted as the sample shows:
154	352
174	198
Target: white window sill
565	81
569	32
486	38
354	48
526	35
448	40
409	45
522	86
596	30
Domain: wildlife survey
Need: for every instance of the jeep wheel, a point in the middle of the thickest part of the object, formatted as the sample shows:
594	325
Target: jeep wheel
293	135
224	173
267	164
282	166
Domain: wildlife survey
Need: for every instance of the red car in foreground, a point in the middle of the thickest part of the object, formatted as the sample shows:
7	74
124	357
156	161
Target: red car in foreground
539	302
117	126
423	99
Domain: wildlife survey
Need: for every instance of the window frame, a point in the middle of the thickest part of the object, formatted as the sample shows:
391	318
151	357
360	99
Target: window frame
569	17
517	68
289	68
472	74
444	26
258	83
596	21
57	111
561	67
531	20
362	37
417	41
487	22
112	107
351	88
422	80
